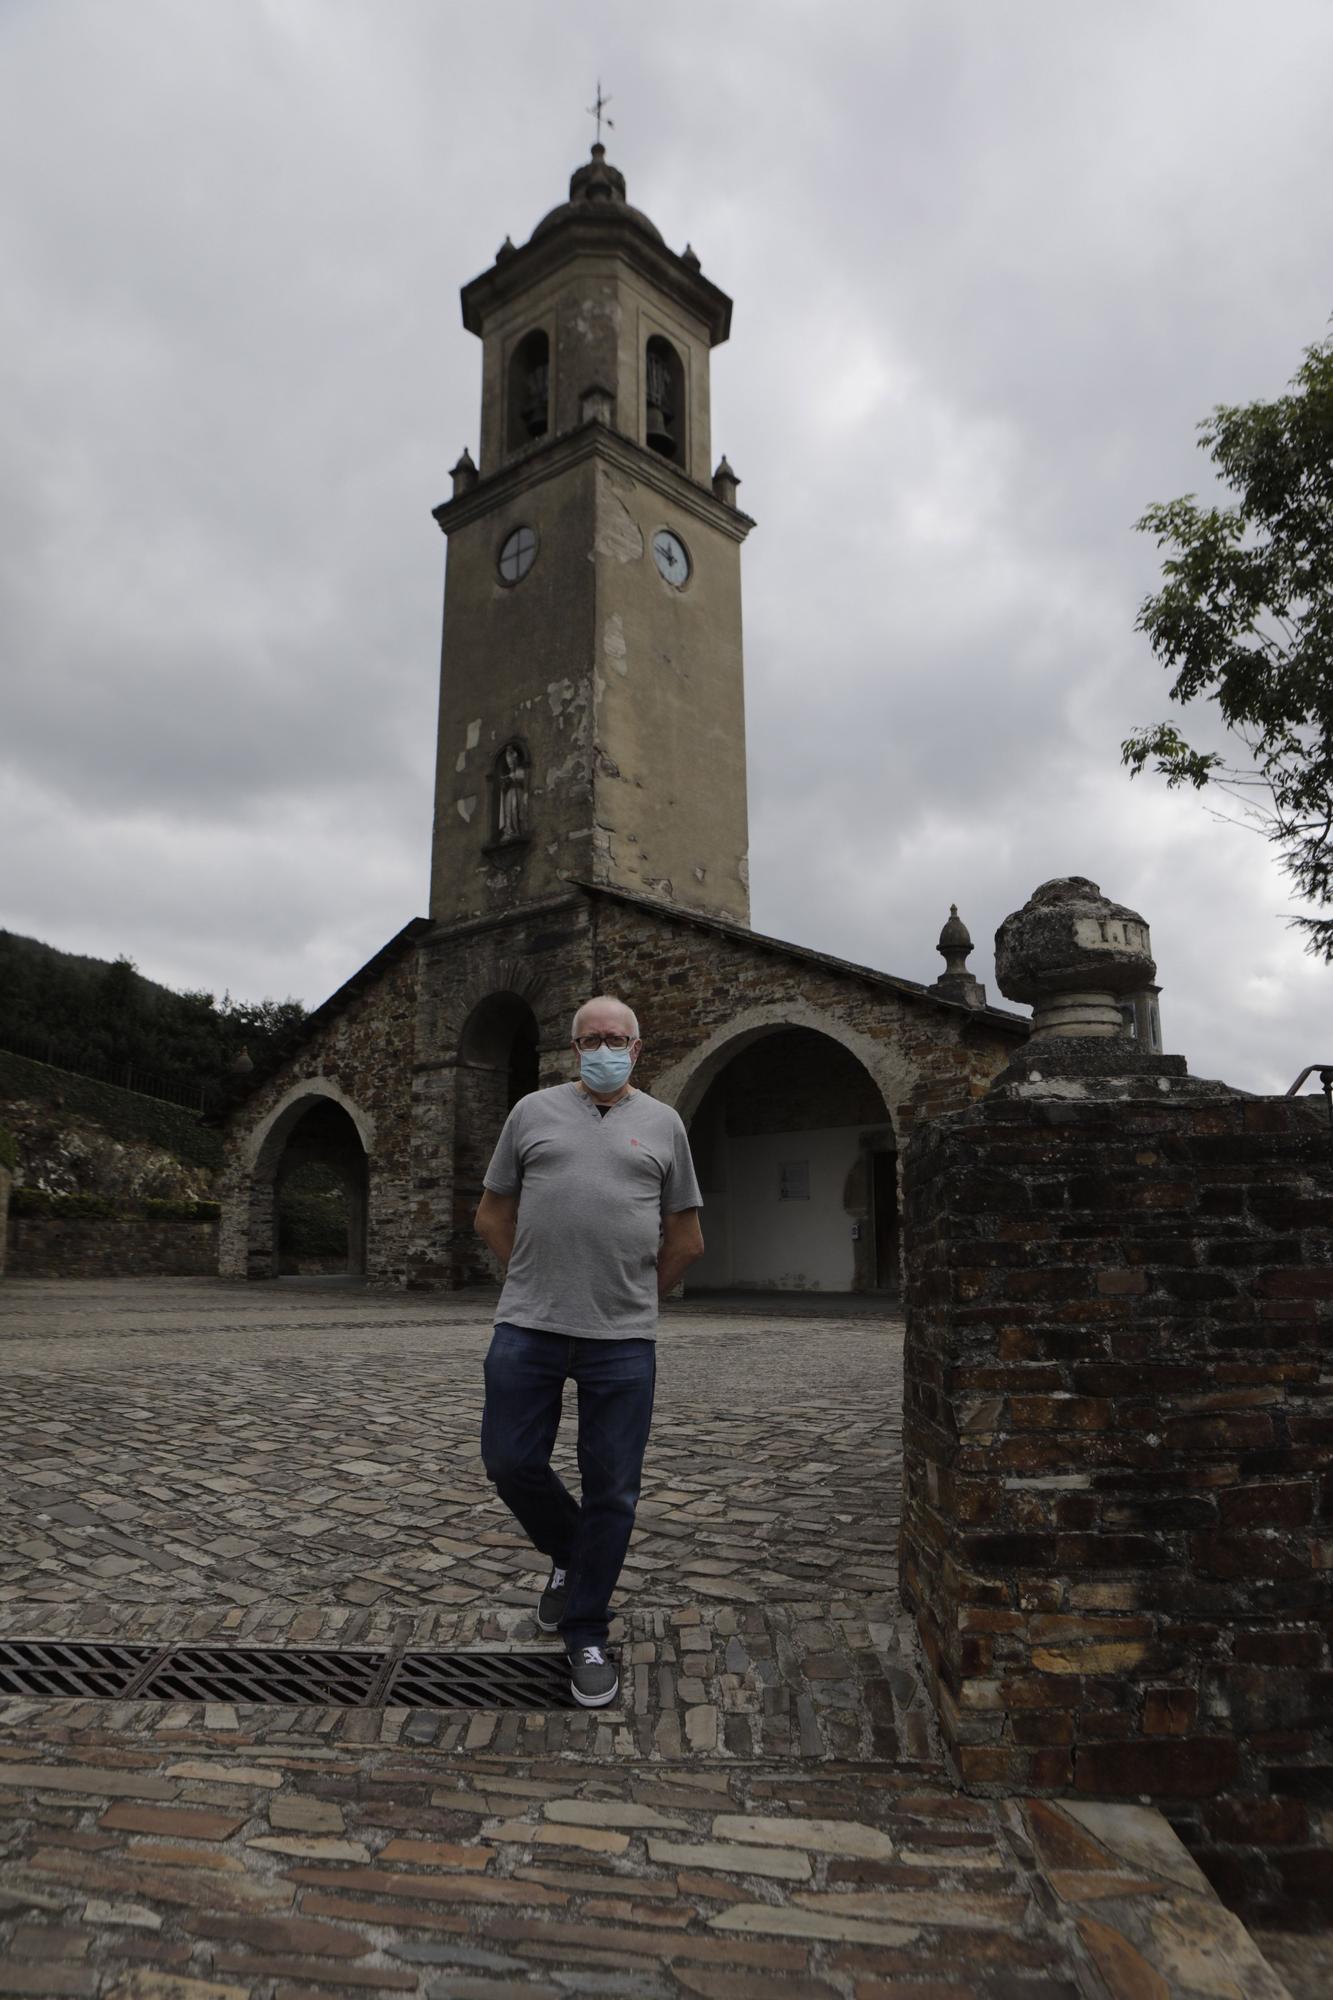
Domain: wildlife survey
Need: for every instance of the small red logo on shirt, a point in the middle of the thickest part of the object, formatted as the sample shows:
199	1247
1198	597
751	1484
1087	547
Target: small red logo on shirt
634	1142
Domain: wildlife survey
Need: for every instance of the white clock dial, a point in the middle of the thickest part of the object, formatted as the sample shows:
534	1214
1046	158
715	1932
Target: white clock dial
671	556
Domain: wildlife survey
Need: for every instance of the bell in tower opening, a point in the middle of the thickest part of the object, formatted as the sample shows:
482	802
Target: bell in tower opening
664	381
530	389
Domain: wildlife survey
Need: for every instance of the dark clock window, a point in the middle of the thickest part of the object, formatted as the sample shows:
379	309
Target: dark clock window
518	552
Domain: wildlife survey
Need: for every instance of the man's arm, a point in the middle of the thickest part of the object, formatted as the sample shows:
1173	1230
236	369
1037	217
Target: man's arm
682	1244
495	1223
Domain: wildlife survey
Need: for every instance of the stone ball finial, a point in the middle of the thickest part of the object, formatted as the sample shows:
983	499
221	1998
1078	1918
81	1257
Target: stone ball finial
242	1063
1070	951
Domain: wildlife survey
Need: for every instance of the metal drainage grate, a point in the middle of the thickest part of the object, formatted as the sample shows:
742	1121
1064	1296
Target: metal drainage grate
481	1680
303	1677
55	1667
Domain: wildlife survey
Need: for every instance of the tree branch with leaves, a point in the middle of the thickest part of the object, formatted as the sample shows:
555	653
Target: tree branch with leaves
1244	618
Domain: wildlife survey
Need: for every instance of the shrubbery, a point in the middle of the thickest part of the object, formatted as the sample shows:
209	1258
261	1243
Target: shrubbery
312	1213
37	1201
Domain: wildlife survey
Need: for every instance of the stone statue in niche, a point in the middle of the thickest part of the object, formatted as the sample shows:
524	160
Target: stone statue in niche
512	807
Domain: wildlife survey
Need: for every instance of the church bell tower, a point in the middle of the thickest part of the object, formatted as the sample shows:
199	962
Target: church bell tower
592	723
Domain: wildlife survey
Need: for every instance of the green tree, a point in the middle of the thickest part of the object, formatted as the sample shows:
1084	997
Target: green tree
1244	618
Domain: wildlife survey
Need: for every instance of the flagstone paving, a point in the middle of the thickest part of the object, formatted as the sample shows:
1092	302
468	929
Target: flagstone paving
763	1812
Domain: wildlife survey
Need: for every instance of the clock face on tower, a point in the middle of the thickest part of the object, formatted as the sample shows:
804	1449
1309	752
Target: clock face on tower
671	557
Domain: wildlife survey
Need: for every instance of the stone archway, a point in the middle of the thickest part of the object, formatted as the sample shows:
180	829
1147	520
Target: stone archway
683	1085
315	1121
498	1062
794	1144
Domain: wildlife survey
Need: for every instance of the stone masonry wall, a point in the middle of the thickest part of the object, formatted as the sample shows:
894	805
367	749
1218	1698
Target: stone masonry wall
366	1053
400	1053
544	957
695	985
122	1246
1118	1523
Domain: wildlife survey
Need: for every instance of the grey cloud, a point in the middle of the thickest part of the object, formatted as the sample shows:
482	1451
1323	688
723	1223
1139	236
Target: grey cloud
990	268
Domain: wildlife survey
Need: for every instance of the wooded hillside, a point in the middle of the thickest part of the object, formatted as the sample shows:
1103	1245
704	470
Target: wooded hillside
82	1013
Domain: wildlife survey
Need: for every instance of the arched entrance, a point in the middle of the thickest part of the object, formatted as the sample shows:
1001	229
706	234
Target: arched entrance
796	1157
498	1058
318	1137
321	1184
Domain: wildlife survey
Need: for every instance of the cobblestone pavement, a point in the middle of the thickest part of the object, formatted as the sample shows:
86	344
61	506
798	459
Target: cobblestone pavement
763	1812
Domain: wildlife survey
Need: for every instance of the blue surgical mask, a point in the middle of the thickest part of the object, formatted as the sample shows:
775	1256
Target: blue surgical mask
604	1070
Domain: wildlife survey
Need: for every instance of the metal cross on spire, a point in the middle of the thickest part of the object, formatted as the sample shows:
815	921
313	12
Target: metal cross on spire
597	109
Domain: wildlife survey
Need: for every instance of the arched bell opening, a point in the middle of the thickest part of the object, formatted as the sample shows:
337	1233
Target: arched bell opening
664	400
796	1157
497	1064
529	398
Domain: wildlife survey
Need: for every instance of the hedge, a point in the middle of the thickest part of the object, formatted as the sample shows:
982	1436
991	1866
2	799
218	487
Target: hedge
38	1201
123	1113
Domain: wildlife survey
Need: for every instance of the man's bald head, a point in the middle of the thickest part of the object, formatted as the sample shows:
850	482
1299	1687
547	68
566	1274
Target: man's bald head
605	1015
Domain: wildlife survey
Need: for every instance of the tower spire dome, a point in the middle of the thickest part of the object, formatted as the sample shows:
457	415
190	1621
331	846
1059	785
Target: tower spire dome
596	190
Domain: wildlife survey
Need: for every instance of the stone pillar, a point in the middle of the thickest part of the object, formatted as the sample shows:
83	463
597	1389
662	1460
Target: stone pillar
6	1183
1118	1510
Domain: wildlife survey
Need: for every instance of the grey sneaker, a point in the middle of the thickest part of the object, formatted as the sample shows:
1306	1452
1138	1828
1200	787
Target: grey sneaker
551	1603
593	1680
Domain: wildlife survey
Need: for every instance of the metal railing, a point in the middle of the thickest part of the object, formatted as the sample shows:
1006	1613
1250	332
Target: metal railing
1324	1071
187	1091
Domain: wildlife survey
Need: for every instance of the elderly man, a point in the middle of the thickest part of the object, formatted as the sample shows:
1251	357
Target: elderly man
592	1206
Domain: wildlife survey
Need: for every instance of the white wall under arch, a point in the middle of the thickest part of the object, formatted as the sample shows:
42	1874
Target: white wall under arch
824	1240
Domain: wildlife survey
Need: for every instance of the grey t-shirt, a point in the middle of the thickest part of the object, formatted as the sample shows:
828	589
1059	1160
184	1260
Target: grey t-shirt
592	1192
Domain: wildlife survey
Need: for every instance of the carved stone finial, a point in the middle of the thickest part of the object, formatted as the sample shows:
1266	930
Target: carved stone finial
1086	965
1072	952
464	474
725	483
956	982
242	1063
690	256
506	249
955	942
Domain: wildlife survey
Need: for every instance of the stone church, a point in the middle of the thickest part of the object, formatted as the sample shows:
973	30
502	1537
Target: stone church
590	830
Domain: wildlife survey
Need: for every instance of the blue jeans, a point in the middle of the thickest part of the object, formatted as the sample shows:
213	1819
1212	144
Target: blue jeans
526	1372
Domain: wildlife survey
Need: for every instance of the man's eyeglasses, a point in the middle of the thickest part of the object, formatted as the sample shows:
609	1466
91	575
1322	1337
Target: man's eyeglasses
587	1043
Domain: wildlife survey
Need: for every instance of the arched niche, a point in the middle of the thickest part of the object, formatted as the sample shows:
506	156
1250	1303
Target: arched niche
664	400
528	390
510	795
497	1063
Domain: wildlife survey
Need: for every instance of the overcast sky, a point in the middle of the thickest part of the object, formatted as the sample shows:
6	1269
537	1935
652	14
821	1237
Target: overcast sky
991	266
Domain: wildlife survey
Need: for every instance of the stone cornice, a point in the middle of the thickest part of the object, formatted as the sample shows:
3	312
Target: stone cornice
596	235
449	929
592	440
